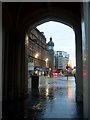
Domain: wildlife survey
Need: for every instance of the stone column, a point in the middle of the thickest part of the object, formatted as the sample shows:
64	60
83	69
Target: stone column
85	58
79	77
14	66
20	69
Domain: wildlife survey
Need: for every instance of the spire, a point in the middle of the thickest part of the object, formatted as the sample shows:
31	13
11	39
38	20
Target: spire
50	44
50	38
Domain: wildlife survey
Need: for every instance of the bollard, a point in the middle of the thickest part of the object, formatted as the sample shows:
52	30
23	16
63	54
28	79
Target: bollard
34	81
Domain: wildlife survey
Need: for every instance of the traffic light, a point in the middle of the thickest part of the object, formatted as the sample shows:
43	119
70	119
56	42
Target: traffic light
67	66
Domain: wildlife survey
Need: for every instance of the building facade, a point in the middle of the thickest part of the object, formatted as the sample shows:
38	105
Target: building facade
61	60
50	48
38	55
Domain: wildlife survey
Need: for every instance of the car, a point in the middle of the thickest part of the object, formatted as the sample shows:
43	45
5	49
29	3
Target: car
55	73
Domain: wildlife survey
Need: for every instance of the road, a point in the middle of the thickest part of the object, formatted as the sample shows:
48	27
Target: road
55	98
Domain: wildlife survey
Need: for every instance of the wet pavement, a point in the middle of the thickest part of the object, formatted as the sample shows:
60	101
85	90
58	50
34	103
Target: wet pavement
55	98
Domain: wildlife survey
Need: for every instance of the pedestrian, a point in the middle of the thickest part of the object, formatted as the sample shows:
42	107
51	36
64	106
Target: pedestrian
74	73
67	74
75	77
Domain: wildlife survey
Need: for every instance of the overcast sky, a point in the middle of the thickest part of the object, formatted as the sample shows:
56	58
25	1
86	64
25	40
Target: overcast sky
62	35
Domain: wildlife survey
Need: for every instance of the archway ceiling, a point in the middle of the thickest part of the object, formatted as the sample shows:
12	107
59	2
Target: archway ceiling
25	14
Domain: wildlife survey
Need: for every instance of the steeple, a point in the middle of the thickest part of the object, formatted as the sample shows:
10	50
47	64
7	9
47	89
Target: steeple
50	38
50	44
50	48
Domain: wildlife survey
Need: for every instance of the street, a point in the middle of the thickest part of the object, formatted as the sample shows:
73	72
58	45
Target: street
55	98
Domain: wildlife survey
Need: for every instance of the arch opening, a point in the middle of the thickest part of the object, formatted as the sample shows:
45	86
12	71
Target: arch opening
32	61
55	88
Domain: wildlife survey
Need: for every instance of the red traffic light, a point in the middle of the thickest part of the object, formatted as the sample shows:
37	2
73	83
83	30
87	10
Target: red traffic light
67	66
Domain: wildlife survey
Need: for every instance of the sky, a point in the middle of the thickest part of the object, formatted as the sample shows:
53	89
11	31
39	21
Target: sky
63	37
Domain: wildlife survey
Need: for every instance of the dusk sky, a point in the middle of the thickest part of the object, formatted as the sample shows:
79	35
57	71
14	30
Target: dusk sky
63	37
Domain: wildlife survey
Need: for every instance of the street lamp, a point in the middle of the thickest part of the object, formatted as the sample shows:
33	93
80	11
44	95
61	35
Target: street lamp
36	56
26	40
46	60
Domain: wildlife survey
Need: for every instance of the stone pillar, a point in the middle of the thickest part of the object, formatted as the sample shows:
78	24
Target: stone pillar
19	68
85	58
19	59
14	68
14	75
79	77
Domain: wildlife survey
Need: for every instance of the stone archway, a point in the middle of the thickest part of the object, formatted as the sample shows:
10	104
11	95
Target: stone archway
26	16
79	87
45	16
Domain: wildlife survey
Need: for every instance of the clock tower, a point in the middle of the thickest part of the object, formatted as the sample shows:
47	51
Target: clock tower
50	48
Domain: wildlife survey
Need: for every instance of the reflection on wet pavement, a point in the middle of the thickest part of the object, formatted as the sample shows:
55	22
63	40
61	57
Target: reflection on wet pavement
55	98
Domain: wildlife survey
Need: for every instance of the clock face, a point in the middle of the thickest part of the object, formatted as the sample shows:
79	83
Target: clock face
50	47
